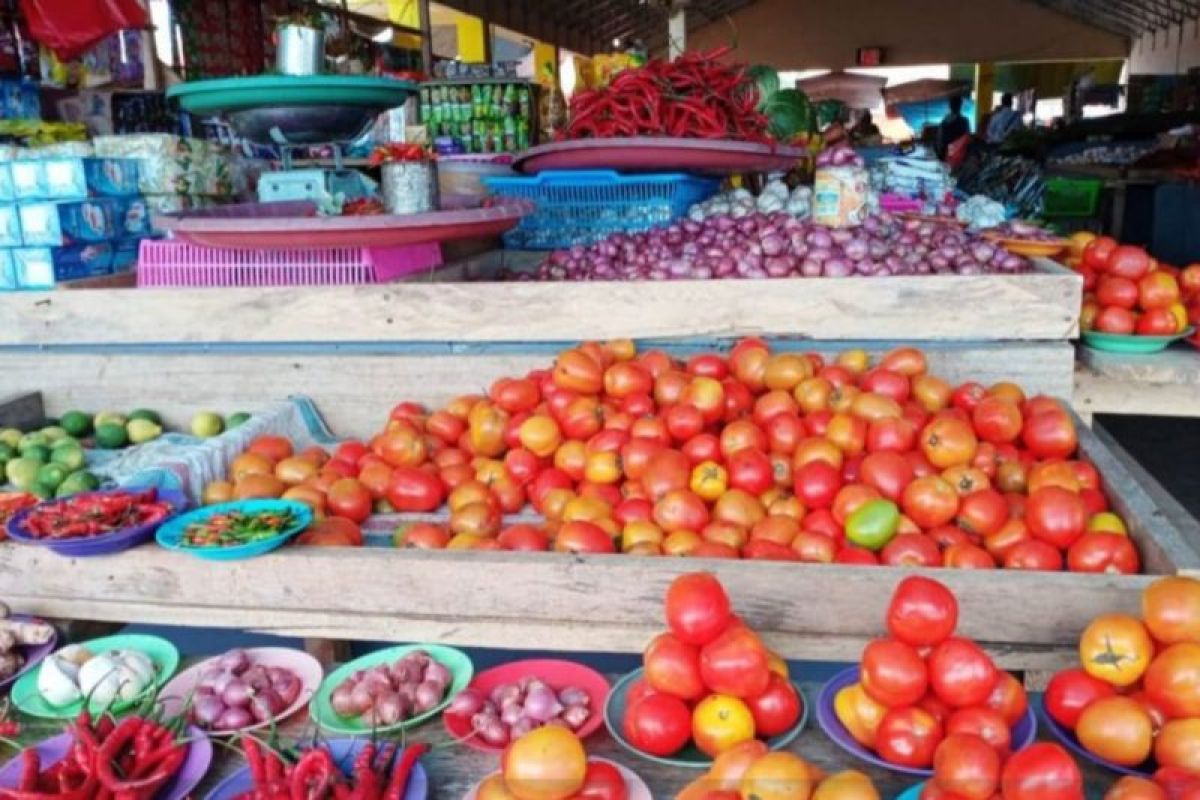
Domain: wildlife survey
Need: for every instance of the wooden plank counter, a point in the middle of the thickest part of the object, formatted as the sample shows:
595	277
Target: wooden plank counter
1155	384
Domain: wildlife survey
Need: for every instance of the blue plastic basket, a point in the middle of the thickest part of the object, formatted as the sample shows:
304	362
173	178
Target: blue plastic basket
584	206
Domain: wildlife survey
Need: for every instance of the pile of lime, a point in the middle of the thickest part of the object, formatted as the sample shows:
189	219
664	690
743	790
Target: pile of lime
111	430
46	463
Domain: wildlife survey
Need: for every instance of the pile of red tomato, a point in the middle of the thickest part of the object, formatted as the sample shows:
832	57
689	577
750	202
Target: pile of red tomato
921	683
1136	695
708	680
1128	292
966	767
751	454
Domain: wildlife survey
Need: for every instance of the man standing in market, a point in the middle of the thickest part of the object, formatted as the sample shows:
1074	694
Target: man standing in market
953	127
1004	121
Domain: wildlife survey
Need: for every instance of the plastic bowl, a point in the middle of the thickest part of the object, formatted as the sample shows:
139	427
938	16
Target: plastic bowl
1023	733
176	693
343	752
911	793
555	673
635	787
323	714
1131	343
690	757
33	655
191	772
171	534
105	543
1072	743
27	698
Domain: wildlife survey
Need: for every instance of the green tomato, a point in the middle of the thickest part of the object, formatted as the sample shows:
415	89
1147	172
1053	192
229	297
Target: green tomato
873	524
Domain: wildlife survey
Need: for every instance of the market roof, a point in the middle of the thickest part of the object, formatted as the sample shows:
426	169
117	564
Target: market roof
1126	17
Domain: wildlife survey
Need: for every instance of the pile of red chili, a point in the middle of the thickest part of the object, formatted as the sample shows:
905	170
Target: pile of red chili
131	760
95	513
696	96
377	774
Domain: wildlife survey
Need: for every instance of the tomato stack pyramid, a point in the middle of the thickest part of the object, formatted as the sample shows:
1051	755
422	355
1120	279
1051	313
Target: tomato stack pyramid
1128	292
708	680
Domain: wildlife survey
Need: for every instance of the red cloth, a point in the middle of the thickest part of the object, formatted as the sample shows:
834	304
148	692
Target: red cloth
72	27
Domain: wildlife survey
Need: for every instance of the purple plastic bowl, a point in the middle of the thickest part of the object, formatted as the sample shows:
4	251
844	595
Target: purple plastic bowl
343	752
52	750
33	655
1023	733
1068	738
104	544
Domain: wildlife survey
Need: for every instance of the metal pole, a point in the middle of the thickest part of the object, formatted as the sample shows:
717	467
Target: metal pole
426	37
677	30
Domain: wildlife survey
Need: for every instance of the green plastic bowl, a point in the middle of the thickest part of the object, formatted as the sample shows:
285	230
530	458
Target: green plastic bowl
321	711
1125	343
27	698
258	91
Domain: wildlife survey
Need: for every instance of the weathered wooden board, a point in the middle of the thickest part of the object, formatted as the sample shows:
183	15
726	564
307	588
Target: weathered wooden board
22	412
1043	304
1159	384
354	391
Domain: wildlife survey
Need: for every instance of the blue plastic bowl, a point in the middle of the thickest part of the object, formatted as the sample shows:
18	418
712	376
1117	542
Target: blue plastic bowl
170	535
911	793
105	543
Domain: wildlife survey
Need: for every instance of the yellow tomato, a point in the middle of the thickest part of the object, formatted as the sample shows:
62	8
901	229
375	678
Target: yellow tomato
1179	312
681	543
719	722
855	360
846	785
1079	241
709	480
779	776
1116	648
640	531
540	435
1107	522
548	763
859	712
603	467
585	509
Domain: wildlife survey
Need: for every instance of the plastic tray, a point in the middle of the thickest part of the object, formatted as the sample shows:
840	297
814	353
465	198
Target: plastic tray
260	91
555	673
660	153
691	756
1131	343
1023	733
584	206
191	772
291	226
173	263
170	535
104	544
1071	197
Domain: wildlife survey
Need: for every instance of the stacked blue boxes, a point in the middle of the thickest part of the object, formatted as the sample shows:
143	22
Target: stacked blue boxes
68	218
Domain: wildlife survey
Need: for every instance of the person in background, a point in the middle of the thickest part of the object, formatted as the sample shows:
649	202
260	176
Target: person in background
1004	120
954	126
864	131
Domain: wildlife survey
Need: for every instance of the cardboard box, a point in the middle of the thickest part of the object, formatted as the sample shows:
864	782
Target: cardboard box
132	218
125	253
43	267
54	224
80	178
28	179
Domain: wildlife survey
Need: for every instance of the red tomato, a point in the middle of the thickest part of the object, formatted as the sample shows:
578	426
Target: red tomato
922	612
1113	319
683	421
968	766
911	550
1098	252
735	663
523	537
1042	771
673	667
350	499
1009	698
1103	552
701	447
740	435
894	434
1070	691
1172	680
983	722
1050	433
777	709
784	431
576	371
413	489
750	470
602	781
967	396
579	536
817	484
960	673
697	608
1034	555
766	550
1128	261
1157	322
981	513
997	420
814	548
930	501
658	724
888	472
666	471
681	509
893	673
850	554
1055	516
908	737
967	556
627	379
1116	292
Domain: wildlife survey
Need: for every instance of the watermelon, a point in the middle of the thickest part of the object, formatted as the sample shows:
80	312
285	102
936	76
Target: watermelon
767	81
790	114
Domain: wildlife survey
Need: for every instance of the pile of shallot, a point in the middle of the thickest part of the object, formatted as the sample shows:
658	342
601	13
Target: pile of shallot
778	245
512	710
235	693
386	694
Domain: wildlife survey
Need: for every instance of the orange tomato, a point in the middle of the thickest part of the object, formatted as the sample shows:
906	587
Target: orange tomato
730	766
779	775
295	469
1115	648
332	532
350	499
1171	610
1117	729
276	448
548	763
217	492
254	486
494	788
540	435
948	441
848	785
1132	787
307	495
251	464
1175	745
403	448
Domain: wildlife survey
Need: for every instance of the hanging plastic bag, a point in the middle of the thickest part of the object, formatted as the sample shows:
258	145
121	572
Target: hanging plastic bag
72	27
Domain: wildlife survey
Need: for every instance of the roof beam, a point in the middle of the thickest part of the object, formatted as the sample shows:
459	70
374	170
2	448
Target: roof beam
1149	9
1089	16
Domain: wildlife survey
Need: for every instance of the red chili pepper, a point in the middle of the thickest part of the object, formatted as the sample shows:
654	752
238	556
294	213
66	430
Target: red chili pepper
31	768
313	775
254	759
403	769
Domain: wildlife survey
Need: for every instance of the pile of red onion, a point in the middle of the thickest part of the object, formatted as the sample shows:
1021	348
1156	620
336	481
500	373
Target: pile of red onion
234	693
389	693
781	246
512	710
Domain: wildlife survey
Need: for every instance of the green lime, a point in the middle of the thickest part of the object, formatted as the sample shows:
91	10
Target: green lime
41	490
33	440
11	437
36	452
142	430
22	473
207	424
54	433
111	436
76	423
240	418
52	475
7	451
109	417
77	482
66	441
146	414
72	458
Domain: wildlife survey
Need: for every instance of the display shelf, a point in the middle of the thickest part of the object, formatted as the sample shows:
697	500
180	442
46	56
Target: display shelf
1163	384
